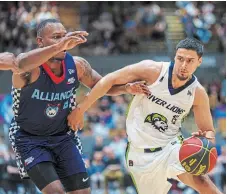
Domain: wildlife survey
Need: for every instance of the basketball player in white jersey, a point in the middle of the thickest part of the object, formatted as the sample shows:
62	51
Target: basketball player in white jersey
154	120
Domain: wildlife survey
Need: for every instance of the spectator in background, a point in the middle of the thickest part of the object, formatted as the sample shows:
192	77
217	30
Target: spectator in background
198	21
18	21
146	18
213	96
96	169
98	144
6	108
113	174
223	90
4	154
100	129
221	32
44	13
218	173
220	117
7	112
118	145
119	108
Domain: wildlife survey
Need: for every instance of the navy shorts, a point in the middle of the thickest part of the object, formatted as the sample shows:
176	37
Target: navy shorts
61	150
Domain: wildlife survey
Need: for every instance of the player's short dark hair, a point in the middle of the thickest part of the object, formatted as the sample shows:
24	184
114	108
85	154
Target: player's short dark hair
191	44
42	25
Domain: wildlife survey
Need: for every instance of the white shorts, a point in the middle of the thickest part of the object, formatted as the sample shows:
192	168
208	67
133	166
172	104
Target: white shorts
150	171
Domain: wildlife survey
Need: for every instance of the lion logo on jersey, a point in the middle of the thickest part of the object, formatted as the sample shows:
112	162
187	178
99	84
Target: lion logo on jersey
52	110
158	121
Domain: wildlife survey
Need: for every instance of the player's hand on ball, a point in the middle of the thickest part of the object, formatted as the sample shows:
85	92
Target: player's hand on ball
137	88
210	135
76	119
72	39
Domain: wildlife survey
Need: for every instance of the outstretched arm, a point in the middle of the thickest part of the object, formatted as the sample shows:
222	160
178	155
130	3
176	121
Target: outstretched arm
89	77
30	61
203	118
33	59
145	70
134	73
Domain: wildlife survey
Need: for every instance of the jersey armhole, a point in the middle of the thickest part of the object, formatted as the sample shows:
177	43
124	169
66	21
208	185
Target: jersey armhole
76	73
164	69
27	79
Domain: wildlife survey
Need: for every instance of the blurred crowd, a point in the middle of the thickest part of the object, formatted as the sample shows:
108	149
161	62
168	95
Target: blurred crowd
114	27
118	27
18	21
203	20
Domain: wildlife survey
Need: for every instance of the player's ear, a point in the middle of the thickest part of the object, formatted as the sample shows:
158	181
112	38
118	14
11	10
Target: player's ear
39	41
200	61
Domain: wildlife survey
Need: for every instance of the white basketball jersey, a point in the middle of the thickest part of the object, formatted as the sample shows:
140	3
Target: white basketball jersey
154	120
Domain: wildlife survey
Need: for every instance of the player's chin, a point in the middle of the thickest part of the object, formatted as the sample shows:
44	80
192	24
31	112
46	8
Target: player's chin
182	77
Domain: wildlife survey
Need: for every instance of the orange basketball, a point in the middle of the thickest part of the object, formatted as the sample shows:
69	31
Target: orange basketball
198	155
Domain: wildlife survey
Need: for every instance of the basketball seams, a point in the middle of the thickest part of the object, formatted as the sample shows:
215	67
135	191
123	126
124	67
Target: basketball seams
209	151
212	153
199	140
210	160
201	158
200	146
193	152
208	170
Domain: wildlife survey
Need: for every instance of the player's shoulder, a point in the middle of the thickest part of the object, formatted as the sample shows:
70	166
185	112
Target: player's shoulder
150	66
200	90
82	66
78	59
80	62
149	70
200	95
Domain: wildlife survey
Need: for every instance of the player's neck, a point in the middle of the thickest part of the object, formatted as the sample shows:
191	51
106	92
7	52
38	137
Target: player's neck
176	83
56	67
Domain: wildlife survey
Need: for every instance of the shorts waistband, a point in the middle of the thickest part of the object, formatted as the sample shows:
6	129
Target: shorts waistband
180	138
144	150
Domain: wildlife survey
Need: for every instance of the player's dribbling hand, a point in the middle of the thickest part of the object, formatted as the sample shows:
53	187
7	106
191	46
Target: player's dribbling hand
207	134
137	88
73	39
76	119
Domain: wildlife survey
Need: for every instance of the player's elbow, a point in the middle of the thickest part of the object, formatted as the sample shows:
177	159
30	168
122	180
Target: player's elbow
21	61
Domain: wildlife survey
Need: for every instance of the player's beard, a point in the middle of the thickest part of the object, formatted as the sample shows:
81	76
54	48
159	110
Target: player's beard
182	78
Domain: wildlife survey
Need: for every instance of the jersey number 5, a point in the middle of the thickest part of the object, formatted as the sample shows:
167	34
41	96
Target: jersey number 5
174	119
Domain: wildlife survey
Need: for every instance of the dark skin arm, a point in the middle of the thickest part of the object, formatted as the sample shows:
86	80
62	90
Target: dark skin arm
33	59
36	57
30	61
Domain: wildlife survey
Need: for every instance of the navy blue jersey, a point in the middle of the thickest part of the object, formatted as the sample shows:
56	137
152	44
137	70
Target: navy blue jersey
42	107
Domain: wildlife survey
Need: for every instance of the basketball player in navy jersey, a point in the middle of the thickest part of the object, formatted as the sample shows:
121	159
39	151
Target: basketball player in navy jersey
42	99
